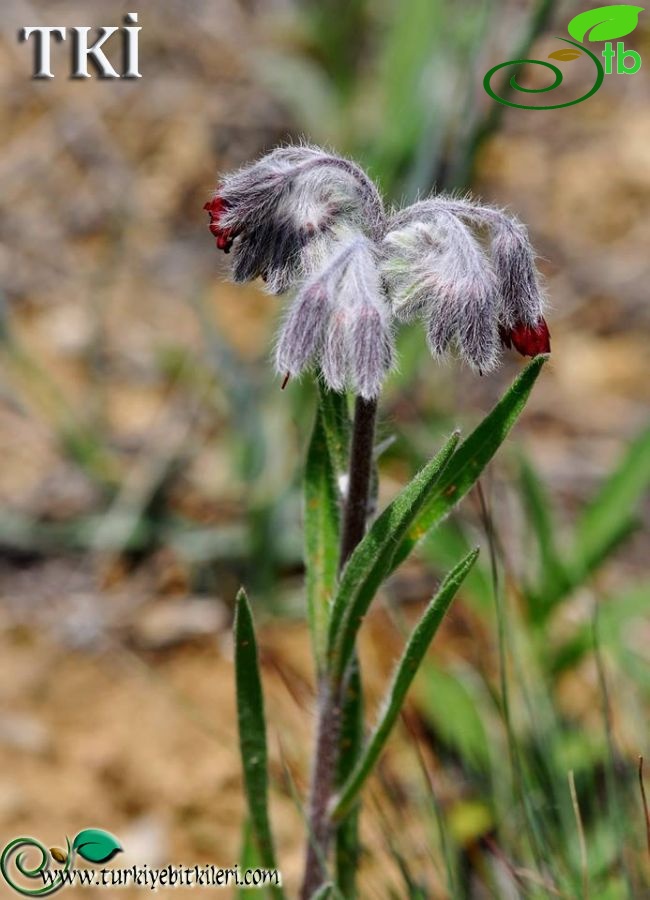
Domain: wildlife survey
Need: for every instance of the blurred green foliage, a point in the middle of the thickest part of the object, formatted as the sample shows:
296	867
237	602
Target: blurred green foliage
394	84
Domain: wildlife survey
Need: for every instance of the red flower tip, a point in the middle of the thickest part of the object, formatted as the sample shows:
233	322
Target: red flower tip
225	236
526	339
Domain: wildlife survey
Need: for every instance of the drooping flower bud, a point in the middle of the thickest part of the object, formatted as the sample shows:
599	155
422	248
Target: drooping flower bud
435	267
340	319
291	199
529	340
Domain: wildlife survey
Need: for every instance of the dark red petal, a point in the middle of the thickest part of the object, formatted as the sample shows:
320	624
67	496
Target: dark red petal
224	236
216	208
528	340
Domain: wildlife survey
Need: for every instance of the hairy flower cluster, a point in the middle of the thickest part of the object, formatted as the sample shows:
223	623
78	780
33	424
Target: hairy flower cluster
305	219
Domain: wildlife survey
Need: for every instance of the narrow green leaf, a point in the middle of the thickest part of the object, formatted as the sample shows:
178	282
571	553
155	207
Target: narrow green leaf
413	43
540	514
371	560
336	424
440	690
252	732
552	577
615	614
604	524
248	858
321	537
471	458
407	668
578	573
351	744
614	506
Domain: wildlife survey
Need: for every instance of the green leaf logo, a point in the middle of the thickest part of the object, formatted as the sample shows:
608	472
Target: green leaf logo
95	845
605	23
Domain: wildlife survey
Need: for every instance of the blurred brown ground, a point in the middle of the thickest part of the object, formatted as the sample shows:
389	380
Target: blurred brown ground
104	246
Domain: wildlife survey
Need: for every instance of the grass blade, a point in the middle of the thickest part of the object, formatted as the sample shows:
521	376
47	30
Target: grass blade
540	515
552	580
407	668
322	522
465	733
613	508
469	460
413	43
252	732
644	803
584	866
370	561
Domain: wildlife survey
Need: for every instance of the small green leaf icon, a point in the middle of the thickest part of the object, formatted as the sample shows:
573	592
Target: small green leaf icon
95	845
565	55
605	23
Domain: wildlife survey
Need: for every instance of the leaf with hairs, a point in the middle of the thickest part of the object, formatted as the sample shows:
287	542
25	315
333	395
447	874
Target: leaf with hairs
371	559
471	458
322	522
406	670
252	732
336	424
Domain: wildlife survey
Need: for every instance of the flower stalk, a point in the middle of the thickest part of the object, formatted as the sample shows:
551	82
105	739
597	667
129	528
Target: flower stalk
330	692
359	477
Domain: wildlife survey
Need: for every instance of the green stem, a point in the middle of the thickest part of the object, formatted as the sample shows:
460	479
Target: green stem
330	693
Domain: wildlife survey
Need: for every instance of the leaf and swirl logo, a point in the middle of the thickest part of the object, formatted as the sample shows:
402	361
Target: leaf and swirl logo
605	23
28	859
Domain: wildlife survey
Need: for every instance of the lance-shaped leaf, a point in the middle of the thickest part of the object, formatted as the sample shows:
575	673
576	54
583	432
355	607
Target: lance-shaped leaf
552	578
252	732
471	458
407	668
371	559
336	425
321	537
605	23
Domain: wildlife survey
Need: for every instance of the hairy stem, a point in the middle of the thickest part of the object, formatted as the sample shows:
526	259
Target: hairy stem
360	471
330	695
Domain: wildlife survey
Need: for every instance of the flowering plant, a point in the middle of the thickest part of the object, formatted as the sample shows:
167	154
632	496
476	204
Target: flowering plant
303	219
